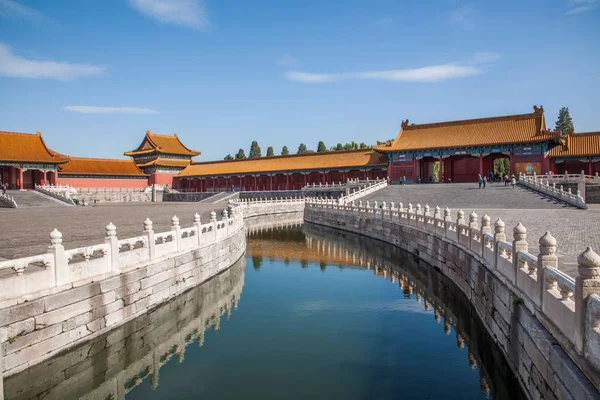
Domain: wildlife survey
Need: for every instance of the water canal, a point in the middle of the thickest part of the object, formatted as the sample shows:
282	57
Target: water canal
309	313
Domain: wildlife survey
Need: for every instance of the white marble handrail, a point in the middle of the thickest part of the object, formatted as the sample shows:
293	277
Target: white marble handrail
373	186
7	201
548	291
62	193
543	186
59	267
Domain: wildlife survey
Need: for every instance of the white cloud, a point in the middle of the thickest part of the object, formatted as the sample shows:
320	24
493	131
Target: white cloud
286	61
581	6
14	66
109	110
434	73
463	17
188	13
12	9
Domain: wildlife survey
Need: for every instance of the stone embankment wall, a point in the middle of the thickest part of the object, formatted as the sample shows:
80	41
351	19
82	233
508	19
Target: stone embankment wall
56	300
113	364
592	193
253	208
191	197
545	325
112	195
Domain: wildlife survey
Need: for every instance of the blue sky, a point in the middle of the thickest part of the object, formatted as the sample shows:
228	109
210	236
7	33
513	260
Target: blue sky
93	76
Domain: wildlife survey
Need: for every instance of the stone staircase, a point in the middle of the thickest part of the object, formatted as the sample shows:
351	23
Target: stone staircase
466	196
31	199
221	197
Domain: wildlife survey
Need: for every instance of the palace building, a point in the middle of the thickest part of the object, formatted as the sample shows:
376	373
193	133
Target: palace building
162	157
457	150
467	148
25	160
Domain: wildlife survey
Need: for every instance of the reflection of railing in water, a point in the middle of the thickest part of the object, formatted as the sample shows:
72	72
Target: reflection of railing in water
135	351
436	292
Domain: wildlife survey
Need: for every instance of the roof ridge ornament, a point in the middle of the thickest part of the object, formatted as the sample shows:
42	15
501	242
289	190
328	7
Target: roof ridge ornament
538	110
404	124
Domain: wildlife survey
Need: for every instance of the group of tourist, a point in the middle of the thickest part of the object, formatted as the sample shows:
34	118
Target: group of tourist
482	180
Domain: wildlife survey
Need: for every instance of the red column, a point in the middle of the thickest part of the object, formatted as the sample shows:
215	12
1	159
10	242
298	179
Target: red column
481	164
590	168
20	183
255	185
287	182
213	183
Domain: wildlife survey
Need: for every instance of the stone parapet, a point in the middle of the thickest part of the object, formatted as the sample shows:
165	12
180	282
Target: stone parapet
257	207
53	301
544	322
549	186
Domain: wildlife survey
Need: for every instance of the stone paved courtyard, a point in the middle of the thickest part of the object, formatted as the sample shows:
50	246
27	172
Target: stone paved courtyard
573	229
26	231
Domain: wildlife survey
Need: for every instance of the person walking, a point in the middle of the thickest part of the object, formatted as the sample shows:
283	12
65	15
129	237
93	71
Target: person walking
479	180
513	181
484	180
404	180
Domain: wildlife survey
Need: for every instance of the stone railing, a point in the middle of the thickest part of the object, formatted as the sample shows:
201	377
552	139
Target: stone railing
568	308
373	186
7	201
62	193
569	178
61	267
542	185
256	207
339	185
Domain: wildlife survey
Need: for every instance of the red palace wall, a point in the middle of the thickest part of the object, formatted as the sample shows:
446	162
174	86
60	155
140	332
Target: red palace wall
103	182
161	179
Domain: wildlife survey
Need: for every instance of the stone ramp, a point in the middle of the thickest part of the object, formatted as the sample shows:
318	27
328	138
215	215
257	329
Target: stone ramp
221	197
466	196
34	199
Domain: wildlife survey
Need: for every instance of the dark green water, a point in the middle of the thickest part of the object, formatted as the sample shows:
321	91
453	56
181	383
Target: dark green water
321	316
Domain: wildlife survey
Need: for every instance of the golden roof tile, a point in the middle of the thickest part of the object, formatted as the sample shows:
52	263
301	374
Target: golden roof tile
578	145
311	161
27	147
522	128
100	166
168	144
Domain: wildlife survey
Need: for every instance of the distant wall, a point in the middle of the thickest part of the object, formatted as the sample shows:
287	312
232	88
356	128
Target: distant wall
102	182
191	197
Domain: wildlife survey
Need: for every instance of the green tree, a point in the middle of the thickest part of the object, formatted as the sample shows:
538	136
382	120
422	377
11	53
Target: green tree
240	155
363	145
507	166
254	150
302	149
564	122
339	147
321	147
228	157
270	152
284	151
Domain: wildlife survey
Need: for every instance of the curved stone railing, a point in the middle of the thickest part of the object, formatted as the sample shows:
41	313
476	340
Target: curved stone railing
61	193
567	308
255	207
357	194
53	301
543	186
7	201
61	267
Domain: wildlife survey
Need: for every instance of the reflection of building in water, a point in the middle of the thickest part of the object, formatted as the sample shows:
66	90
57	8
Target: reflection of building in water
449	305
112	365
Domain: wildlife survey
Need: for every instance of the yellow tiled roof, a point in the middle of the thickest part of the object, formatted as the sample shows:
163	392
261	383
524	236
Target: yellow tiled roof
578	144
522	128
166	162
27	147
100	166
169	144
311	161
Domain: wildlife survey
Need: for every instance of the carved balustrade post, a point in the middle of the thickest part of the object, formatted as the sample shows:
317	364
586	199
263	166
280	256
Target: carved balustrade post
149	233
176	228
546	258
520	244
225	219
61	267
586	284
198	226
499	235
113	247
213	221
